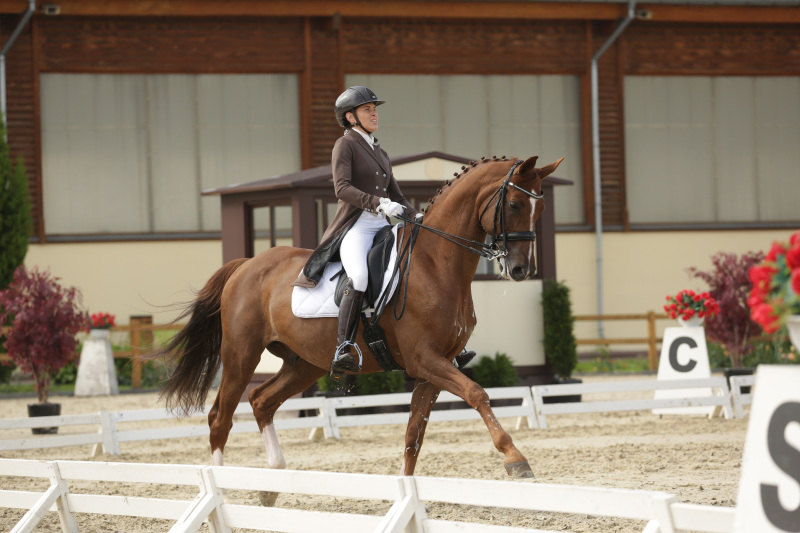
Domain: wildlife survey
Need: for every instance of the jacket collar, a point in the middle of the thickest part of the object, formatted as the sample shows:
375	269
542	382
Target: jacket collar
377	154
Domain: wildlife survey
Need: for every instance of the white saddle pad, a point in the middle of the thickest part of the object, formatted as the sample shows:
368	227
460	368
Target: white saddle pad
318	302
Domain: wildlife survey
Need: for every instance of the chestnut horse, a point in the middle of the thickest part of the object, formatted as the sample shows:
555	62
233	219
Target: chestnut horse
246	306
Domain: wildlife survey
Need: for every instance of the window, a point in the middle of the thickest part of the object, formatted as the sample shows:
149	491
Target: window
474	116
712	150
131	153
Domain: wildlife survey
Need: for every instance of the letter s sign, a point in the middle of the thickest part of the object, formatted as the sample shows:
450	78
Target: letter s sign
769	488
787	458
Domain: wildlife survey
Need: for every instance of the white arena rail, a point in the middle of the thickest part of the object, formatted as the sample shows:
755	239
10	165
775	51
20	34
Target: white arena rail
661	511
740	399
106	434
721	397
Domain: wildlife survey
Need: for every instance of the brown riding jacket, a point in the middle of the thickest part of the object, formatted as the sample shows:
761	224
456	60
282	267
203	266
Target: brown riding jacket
361	177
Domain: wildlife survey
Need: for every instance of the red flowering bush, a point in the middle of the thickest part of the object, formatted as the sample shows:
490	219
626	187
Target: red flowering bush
102	320
776	285
729	284
44	320
689	304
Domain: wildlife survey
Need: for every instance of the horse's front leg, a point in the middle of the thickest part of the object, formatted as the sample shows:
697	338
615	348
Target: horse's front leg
422	400
442	374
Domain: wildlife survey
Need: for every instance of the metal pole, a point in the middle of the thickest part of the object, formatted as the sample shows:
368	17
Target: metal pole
25	17
598	199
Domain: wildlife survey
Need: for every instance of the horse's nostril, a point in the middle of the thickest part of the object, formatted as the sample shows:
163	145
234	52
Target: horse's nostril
519	272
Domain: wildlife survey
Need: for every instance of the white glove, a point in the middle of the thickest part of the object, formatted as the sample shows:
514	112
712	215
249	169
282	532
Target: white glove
389	208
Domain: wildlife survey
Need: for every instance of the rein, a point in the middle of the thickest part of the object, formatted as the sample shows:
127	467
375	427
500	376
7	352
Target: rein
489	251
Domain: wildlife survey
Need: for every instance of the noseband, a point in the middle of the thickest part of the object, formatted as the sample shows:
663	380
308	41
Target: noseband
500	237
500	217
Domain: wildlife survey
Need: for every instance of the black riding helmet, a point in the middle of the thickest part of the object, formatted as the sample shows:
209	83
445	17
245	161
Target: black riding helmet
350	99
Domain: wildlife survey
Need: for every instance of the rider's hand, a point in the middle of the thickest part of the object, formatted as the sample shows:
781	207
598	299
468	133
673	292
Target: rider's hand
389	208
419	216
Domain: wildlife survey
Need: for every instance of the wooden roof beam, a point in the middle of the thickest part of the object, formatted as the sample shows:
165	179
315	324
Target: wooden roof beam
455	9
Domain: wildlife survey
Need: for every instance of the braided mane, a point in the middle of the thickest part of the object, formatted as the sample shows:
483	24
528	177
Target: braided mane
457	175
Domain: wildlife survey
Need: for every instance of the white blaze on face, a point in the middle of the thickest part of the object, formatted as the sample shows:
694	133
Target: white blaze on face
533	223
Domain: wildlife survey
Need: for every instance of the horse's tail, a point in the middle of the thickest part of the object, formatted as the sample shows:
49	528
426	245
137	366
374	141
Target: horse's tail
197	346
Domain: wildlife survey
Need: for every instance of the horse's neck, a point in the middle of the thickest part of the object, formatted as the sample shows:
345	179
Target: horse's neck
455	211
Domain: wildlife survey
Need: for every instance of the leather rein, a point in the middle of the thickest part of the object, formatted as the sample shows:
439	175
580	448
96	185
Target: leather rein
489	251
493	250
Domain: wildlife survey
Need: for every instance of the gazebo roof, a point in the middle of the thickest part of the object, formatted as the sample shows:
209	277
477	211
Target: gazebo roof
317	176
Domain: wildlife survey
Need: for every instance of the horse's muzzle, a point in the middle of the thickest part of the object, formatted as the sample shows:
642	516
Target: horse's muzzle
519	273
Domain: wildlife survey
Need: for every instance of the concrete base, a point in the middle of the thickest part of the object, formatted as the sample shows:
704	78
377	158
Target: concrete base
96	373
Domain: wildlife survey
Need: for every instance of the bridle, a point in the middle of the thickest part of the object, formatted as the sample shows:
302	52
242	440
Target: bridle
500	237
489	251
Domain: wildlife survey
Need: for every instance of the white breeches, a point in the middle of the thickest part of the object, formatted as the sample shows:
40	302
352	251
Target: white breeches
355	246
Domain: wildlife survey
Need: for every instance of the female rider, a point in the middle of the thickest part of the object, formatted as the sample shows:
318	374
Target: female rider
368	194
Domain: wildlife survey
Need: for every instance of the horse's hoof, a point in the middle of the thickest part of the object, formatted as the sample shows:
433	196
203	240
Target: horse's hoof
519	469
267	499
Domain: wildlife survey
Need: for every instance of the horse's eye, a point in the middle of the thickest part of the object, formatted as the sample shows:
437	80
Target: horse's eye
514	206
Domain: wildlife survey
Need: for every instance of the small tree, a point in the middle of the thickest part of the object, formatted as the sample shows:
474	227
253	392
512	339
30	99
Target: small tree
730	285
498	371
560	347
46	317
15	213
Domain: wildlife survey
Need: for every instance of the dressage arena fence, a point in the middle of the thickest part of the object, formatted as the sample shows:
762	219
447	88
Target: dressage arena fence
661	511
405	497
332	414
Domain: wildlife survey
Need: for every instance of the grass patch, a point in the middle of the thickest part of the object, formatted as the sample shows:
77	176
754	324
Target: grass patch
605	364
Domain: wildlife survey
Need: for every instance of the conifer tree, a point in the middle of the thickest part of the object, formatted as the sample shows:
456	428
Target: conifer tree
15	212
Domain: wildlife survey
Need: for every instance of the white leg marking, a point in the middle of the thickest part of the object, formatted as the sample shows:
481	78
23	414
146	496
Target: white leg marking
216	458
274	455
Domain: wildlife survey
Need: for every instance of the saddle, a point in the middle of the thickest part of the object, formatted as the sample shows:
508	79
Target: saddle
377	262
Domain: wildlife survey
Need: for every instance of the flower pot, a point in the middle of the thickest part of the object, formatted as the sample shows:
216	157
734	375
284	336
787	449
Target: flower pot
44	409
793	325
694	322
565	398
730	372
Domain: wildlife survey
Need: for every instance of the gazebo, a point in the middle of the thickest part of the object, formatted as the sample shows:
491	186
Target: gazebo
309	192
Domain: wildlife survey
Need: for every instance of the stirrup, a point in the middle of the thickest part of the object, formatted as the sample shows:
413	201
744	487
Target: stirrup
341	351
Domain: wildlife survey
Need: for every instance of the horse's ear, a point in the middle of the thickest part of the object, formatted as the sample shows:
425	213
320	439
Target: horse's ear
529	166
548	169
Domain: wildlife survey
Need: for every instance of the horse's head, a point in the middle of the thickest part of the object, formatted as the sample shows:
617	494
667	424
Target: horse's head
510	213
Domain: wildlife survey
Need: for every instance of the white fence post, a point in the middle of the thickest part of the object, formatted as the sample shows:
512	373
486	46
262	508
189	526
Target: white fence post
108	428
205	506
55	494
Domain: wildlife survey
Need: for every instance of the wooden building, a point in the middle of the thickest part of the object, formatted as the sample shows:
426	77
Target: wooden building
124	111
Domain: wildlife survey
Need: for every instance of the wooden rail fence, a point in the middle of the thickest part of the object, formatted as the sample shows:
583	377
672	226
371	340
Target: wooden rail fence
651	340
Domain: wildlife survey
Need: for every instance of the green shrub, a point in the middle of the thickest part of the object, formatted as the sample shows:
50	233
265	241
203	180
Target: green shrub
560	348
67	375
153	373
498	371
15	213
6	369
379	383
364	384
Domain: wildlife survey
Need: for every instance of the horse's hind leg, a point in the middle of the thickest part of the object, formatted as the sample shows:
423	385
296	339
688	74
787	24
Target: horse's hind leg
236	374
422	400
295	375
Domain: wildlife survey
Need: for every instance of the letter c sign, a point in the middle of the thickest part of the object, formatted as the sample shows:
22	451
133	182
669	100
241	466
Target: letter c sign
673	354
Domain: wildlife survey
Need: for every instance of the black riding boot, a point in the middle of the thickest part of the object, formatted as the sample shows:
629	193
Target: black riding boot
464	357
345	359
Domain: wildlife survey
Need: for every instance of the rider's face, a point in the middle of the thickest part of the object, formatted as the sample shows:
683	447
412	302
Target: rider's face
368	117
